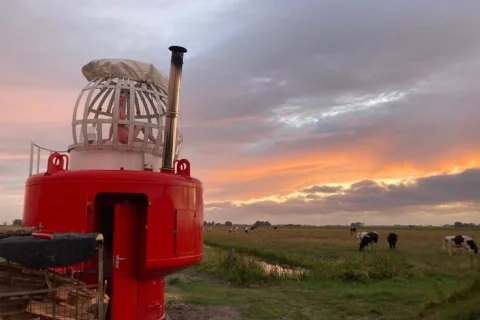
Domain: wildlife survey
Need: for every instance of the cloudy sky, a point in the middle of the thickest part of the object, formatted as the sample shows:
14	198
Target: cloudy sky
302	111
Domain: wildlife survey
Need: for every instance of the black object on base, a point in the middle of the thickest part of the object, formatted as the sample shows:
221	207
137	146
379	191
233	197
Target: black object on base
59	251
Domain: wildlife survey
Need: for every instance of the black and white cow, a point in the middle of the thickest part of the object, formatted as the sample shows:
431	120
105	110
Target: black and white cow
368	240
353	230
460	241
247	229
274	227
233	230
360	235
392	240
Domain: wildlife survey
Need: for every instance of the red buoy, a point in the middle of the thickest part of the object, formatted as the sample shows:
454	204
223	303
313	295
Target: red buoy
121	177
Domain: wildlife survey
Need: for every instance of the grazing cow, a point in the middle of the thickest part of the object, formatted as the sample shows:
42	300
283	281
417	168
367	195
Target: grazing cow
392	240
210	229
233	229
247	229
460	241
369	239
274	227
353	230
360	235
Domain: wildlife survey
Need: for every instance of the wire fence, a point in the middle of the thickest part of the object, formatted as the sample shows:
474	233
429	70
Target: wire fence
66	303
32	294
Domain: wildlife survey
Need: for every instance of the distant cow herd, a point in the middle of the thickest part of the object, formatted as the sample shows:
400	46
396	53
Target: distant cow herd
248	229
235	229
370	239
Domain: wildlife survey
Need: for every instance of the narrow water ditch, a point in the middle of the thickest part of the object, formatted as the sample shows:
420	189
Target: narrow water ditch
288	271
281	270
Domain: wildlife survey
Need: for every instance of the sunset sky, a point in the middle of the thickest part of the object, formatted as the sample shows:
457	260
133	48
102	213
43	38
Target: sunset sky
315	112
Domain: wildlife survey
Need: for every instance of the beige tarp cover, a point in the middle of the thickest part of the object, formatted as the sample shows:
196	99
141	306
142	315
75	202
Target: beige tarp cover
124	68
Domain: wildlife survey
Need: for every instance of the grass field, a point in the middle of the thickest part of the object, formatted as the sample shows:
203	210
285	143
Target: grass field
418	281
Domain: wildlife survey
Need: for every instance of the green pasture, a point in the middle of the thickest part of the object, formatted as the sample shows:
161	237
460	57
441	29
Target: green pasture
417	281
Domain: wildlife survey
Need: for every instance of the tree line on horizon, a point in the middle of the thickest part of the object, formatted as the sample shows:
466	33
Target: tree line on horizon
230	224
15	222
456	224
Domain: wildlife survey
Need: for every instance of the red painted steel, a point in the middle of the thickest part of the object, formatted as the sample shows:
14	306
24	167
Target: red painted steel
125	286
167	209
42	235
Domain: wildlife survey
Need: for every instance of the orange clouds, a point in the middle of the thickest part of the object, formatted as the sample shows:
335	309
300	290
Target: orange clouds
440	197
244	179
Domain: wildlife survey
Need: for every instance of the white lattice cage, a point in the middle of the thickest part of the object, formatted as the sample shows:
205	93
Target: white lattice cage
96	113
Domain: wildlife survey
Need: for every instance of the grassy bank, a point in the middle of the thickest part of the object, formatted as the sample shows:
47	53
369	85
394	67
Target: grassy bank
262	295
237	269
462	303
309	247
419	280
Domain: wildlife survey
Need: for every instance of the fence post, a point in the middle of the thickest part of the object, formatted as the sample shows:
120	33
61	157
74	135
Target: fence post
100	289
231	255
31	159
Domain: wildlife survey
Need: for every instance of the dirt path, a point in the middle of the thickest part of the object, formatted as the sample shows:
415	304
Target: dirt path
195	312
189	275
178	310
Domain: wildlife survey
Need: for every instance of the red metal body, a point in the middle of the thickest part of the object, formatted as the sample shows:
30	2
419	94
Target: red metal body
152	222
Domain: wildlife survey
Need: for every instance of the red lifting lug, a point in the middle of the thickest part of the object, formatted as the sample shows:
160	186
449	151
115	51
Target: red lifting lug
182	167
56	163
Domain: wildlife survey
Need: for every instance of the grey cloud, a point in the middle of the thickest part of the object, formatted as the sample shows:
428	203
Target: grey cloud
369	196
427	132
426	128
13	174
46	43
332	52
319	49
8	212
322	189
56	136
428	191
337	48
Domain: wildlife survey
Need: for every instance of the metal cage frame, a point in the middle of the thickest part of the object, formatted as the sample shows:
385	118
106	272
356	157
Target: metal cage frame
146	108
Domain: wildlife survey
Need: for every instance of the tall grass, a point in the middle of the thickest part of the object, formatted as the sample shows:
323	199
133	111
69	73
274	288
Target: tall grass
264	252
460	304
371	268
243	270
238	269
